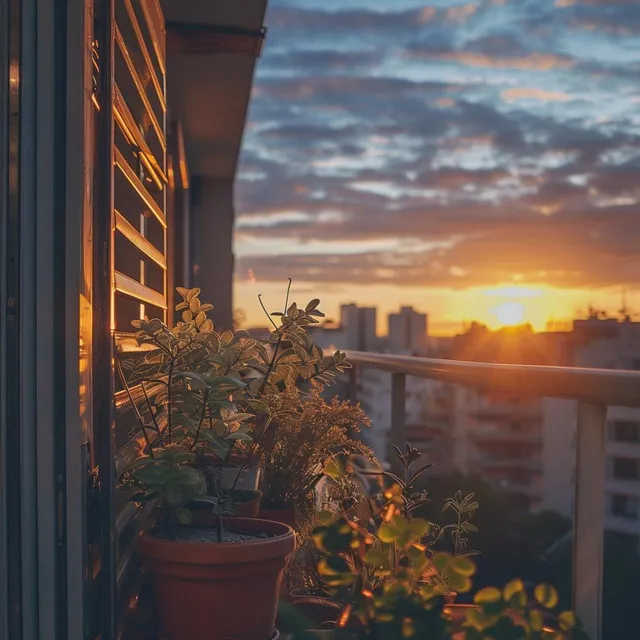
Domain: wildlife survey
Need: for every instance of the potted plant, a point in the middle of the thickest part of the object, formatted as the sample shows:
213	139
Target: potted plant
297	449
191	384
361	493
201	404
386	584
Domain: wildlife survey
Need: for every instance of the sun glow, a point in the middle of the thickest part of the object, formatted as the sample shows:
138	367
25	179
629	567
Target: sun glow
509	314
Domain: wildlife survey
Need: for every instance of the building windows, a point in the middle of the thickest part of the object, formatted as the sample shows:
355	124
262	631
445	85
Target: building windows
624	506
626	469
624	431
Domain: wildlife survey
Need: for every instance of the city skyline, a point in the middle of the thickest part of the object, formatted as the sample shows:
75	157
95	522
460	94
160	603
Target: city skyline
439	153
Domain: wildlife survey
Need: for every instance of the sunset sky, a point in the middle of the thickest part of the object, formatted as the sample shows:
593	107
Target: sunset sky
456	156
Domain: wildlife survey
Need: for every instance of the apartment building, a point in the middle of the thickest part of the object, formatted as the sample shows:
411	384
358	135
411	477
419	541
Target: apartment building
408	331
358	325
617	346
499	437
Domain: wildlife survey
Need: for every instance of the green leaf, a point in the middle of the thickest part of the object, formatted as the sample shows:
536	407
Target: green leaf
488	595
376	557
325	517
191	294
419	527
478	619
536	619
513	587
463	566
333	469
184	515
567	620
458	583
388	532
546	595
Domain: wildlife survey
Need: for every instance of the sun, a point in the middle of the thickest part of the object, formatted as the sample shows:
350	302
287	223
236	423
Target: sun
509	314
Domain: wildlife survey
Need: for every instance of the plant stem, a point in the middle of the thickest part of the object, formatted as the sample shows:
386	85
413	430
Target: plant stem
283	330
275	326
219	529
132	402
205	401
252	451
286	301
169	401
153	417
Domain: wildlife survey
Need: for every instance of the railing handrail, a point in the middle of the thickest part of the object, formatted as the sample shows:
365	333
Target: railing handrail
611	387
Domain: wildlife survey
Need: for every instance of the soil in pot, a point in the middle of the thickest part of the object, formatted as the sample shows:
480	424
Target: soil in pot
215	591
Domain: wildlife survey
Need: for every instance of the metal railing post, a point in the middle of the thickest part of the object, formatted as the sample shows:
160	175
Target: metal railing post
588	523
398	433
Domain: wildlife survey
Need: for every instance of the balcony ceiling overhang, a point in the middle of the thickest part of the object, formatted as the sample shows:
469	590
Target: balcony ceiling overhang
212	47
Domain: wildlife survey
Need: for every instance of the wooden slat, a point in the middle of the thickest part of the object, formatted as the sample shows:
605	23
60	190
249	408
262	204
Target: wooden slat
155	22
137	520
125	516
138	240
140	87
145	53
127	343
132	133
137	394
182	158
136	183
129	286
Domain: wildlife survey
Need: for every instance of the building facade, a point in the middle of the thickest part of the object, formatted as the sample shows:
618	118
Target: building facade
120	128
408	331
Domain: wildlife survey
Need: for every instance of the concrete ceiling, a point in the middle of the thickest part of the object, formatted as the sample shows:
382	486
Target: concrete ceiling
210	65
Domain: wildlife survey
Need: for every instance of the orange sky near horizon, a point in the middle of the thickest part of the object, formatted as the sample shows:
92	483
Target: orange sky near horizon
475	160
449	310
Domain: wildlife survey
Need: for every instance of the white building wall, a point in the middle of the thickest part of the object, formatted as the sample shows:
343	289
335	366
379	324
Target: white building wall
622	485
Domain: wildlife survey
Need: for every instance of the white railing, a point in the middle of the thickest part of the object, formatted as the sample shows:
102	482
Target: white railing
593	389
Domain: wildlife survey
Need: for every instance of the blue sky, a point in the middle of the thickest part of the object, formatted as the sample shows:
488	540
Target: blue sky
405	151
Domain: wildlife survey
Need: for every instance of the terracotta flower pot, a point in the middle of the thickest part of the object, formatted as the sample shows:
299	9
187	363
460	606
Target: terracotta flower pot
218	591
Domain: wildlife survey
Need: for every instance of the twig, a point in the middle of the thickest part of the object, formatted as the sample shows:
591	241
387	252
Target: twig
251	453
266	312
133	404
205	400
286	301
169	401
153	417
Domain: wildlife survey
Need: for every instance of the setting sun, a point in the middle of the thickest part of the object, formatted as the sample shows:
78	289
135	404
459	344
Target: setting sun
509	313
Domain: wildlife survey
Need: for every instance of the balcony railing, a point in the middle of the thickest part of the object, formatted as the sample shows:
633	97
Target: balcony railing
594	389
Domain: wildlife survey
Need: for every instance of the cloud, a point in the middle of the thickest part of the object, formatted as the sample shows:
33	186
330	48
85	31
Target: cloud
535	61
533	93
486	257
444	146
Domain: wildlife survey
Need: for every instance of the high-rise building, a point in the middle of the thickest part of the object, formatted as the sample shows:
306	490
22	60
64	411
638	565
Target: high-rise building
359	327
408	331
606	344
